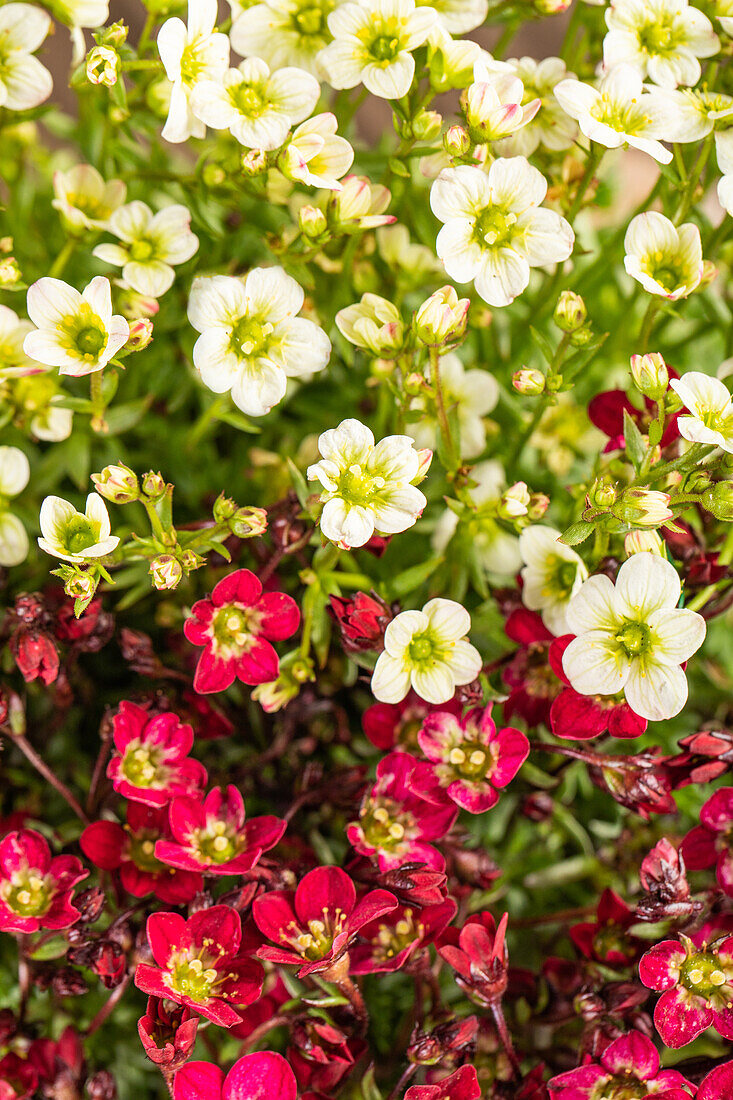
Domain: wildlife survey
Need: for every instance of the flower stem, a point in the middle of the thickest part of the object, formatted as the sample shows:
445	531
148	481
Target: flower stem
506	1039
97	399
440	408
43	769
59	264
109	1006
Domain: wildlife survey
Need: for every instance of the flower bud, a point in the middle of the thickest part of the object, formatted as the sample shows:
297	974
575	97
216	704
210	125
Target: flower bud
254	163
134	306
442	317
374	324
141	334
650	375
456	141
81	585
551	7
224	508
426	457
641	542
643	508
538	505
514	501
709	274
426	125
103	66
213	175
602	493
117	483
570	312
190	560
114	35
581	336
248	522
166	572
312	221
414	384
718	500
529	382
10	273
154	485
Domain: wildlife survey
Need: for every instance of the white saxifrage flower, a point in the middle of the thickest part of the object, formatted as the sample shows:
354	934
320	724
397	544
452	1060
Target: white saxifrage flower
710	409
618	112
373	324
256	106
24	81
84	199
632	637
78	333
427	650
724	15
360	204
494	102
190	54
315	154
251	338
459	16
76	536
495	230
13	360
666	259
82	13
373	44
551	576
367	488
551	128
150	244
470	395
14	475
285	32
663	39
495	549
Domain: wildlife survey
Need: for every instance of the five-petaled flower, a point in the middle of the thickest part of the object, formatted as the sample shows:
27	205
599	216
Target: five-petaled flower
151	763
76	332
629	1066
36	887
696	985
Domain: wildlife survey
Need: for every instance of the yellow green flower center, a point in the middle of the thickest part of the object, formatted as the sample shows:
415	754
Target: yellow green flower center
218	844
385	825
494	227
193	977
391	939
28	893
140	765
79	534
141	250
249	337
635	638
315	940
249	99
234	628
703	974
142	853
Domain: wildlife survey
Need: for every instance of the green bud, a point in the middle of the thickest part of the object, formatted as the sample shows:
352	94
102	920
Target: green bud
650	375
718	500
570	312
248	522
117	483
154	485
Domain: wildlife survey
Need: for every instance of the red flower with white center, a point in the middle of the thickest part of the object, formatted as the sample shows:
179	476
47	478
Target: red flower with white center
212	835
529	676
472	760
718	1084
710	842
478	954
314	925
606	939
576	717
152	763
461	1085
237	624
261	1076
199	964
629	1066
388	943
696	983
36	887
395	822
395	726
130	850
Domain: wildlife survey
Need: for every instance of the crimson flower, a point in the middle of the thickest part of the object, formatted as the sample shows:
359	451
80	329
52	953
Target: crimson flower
663	876
362	620
461	1085
18	1078
629	1066
580	717
710	842
199	963
718	1084
529	676
36	887
387	943
696	985
152	763
479	955
313	926
130	849
212	835
261	1076
606	412
35	654
236	625
395	725
321	1054
471	760
606	938
168	1035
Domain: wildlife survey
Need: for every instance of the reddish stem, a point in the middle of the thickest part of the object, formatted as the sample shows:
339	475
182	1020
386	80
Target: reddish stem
42	768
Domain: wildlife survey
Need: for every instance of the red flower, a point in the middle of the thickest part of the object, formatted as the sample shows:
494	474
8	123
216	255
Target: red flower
629	1066
387	943
580	717
718	1085
36	888
168	1035
261	1076
18	1078
395	822
709	843
130	849
395	725
321	1054
479	955
213	835
236	624
152	764
663	876
606	412
35	654
472	761
199	963
362	620
696	985
314	925
209	722
606	938
529	676
461	1085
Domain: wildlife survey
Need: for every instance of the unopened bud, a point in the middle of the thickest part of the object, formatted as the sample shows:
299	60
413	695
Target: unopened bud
581	336
312	221
709	274
166	572
426	125
154	485
425	455
190	560
114	35
10	273
538	505
81	585
641	542
117	483
254	163
224	508
456	141
248	522
529	382
643	508
514	501
141	334
442	317
602	493
650	375
718	500
213	175
103	66
570	312
414	384
551	7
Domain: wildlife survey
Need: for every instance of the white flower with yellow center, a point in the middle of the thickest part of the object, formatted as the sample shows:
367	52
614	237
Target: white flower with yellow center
150	244
663	39
285	32
618	112
427	650
13	360
469	395
551	576
78	333
710	409
251	338
495	229
24	81
373	44
666	259
84	199
551	128
494	103
632	637
494	548
76	536
191	53
14	475
256	106
315	154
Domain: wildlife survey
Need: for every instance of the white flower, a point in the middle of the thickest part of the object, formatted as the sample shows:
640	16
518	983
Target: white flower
663	39
189	54
13	360
151	243
632	637
428	651
710	407
83	198
493	103
256	107
665	259
552	575
725	193
360	204
469	395
690	114
316	155
82	13
367	488
78	333
24	81
76	536
458	16
251	339
14	474
495	549
52	424
373	44
451	60
285	32
724	150
550	128
374	324
495	229
618	112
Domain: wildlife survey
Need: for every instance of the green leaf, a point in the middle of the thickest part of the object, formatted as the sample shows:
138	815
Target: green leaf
576	533
543	344
299	483
636	447
54	948
410	579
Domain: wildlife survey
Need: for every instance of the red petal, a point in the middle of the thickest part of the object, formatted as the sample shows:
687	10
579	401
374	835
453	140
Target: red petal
240	587
198	1081
262	1076
280	615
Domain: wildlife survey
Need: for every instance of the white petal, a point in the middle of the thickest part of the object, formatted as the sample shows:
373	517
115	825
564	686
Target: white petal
402	630
656	692
390	679
434	684
678	633
646	583
593	606
595	665
448	620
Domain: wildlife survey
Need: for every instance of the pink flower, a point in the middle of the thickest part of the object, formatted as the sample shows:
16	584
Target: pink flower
199	963
461	1085
629	1066
261	1076
696	985
212	835
578	717
387	943
236	624
478	954
152	764
395	725
314	925
606	939
472	761
709	843
35	887
168	1036
130	849
395	822
718	1084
